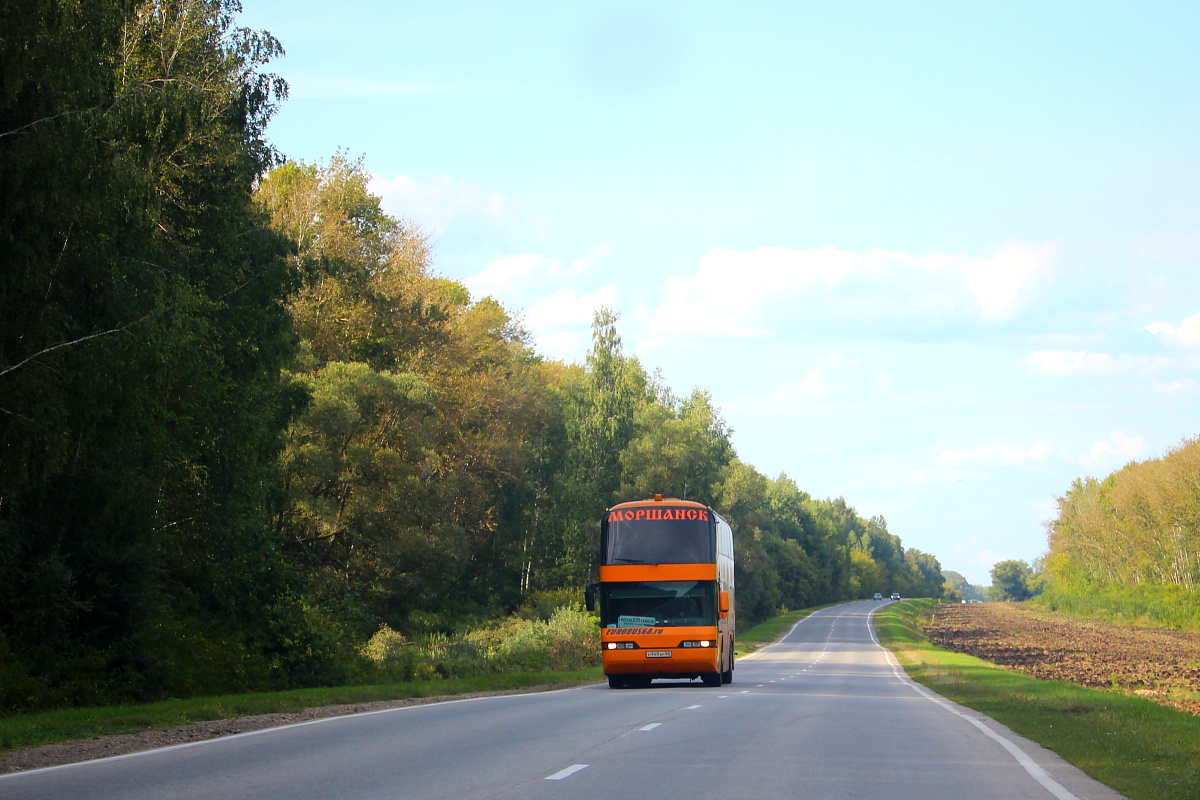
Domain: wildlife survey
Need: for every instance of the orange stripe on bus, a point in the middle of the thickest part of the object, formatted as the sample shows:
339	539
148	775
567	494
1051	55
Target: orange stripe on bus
660	572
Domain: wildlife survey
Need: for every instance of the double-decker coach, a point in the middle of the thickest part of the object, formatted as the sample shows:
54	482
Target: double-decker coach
665	592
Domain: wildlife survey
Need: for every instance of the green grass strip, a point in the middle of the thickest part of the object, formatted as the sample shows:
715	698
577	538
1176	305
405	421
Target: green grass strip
1141	749
27	730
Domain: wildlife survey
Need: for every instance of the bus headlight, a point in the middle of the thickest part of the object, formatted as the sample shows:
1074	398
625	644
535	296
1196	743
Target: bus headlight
622	646
699	643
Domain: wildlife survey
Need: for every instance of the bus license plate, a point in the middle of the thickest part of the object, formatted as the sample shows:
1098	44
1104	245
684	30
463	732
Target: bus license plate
658	654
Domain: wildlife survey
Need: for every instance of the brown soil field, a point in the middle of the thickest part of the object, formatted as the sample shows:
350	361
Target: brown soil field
1162	665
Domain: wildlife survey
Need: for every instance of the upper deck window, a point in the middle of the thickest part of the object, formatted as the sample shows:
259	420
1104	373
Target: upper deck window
659	536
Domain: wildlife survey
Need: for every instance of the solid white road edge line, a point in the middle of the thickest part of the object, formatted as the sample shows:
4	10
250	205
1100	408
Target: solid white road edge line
566	773
1035	771
278	728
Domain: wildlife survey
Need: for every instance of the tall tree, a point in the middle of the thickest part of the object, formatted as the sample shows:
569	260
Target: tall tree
141	335
678	449
436	497
1011	581
600	425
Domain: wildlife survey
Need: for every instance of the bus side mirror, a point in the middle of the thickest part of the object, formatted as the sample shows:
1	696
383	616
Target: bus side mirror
589	597
724	604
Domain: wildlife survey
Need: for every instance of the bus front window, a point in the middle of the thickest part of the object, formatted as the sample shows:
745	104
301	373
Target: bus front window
658	604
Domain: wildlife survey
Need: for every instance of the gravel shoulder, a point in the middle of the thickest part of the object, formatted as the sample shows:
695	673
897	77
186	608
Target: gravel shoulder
53	755
1162	665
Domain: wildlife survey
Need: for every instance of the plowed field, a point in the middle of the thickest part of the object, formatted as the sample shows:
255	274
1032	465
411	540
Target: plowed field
1163	665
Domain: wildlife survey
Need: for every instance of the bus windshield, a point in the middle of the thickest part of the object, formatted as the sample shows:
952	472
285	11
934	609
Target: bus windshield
658	604
660	541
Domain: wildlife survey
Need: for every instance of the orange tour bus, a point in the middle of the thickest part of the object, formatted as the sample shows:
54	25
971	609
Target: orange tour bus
665	592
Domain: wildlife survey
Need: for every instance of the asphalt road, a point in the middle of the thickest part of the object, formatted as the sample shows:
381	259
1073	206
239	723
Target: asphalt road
823	714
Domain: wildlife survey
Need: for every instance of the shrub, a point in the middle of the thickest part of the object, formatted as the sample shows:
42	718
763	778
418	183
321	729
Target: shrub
568	640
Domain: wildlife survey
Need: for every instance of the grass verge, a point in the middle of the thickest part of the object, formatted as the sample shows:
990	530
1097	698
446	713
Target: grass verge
28	730
1141	749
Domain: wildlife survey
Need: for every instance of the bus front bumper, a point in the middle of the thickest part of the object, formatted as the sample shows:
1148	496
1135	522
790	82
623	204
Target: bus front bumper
674	662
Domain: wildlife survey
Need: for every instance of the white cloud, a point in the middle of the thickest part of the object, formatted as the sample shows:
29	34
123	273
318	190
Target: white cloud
1005	454
922	477
509	277
729	288
565	309
1085	362
1187	333
1118	447
560	323
791	396
563	345
1003	282
751	293
811	387
1185	386
444	207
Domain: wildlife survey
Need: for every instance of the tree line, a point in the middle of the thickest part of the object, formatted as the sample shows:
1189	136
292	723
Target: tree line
244	425
1138	527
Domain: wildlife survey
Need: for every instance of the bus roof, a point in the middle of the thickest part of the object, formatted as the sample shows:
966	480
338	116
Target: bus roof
656	500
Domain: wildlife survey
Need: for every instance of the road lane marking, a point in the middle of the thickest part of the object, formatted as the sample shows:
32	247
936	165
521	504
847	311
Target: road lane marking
650	727
1032	767
689	708
222	740
566	773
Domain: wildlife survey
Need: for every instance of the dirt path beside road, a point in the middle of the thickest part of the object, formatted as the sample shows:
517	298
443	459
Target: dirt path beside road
1162	665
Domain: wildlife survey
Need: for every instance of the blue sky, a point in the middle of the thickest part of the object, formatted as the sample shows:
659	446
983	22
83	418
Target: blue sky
938	258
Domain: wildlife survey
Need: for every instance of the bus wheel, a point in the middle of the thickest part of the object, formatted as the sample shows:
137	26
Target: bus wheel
711	678
616	683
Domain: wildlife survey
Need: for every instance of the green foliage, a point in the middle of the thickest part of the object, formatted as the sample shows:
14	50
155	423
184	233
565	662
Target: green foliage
1013	581
679	448
142	335
959	588
568	640
1127	547
244	427
1169	606
1140	525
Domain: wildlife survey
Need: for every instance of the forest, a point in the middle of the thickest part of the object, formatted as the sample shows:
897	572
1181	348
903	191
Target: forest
245	426
1128	545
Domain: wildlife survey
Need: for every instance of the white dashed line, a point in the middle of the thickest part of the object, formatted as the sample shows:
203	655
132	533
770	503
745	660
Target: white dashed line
650	727
566	773
690	708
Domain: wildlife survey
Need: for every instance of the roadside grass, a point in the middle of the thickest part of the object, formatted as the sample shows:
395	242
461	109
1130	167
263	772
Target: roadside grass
1143	750
29	730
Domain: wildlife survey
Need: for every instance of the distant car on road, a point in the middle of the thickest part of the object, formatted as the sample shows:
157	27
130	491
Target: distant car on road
878	596
895	595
